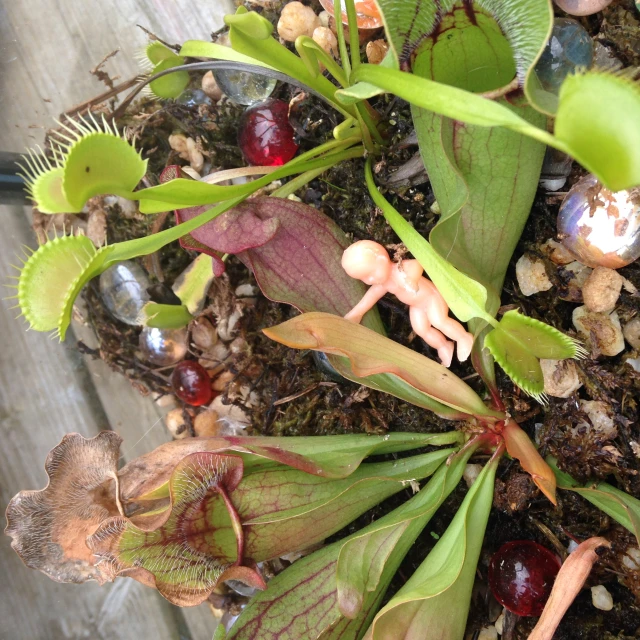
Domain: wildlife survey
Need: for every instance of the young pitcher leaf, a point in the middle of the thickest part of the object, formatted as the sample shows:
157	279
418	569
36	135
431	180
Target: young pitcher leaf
220	522
370	354
433	604
622	507
49	527
571	578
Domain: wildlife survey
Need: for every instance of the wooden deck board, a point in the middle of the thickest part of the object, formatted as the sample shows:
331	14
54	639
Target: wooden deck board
47	389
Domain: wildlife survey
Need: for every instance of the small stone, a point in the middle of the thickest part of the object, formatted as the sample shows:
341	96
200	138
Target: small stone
194	98
206	425
210	86
557	252
327	40
570	47
631	332
243	87
297	20
203	334
176	424
246	291
601	329
488	633
556	168
531	275
221	381
376	51
188	150
499	623
582	7
634	363
575	274
123	290
163	347
560	377
605	59
602	289
601	420
325	18
601	598
470	473
631	559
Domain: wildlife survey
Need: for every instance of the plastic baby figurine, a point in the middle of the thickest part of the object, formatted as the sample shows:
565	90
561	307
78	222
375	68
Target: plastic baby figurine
429	314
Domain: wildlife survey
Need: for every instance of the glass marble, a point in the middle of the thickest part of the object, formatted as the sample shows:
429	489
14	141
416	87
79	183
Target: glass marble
191	383
241	588
163	347
265	135
521	575
569	47
324	366
240	86
123	289
556	168
193	98
600	227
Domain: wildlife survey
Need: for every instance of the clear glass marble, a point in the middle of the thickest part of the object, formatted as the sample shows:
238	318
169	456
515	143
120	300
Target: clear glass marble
193	98
569	48
163	347
600	227
123	289
242	87
556	168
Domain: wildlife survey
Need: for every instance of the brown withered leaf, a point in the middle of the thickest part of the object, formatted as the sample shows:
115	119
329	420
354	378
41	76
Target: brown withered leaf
50	527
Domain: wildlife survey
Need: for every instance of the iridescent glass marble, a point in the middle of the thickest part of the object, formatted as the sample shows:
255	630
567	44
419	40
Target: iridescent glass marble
163	347
123	289
600	227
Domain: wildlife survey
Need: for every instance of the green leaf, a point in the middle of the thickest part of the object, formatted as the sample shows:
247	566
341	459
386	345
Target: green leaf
220	523
193	283
622	507
202	49
171	85
164	316
304	600
458	104
465	297
434	602
518	343
370	354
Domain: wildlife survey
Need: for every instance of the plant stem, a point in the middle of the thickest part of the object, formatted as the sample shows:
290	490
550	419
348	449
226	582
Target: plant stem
342	45
293	185
354	36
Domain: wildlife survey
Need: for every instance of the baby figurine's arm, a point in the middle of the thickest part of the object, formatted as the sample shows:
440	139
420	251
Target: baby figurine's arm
368	301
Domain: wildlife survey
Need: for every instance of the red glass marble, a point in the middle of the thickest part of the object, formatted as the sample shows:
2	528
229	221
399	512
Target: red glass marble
191	383
521	574
266	137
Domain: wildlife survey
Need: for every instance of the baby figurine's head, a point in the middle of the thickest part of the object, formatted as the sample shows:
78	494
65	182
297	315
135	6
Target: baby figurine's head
367	261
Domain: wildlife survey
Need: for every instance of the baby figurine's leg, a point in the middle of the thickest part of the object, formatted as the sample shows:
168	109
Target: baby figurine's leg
438	314
422	326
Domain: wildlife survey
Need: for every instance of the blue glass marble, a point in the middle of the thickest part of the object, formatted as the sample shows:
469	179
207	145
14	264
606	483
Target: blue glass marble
569	47
193	98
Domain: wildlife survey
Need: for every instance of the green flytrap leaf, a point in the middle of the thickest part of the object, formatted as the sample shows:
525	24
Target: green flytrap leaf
519	342
333	593
622	507
221	522
434	603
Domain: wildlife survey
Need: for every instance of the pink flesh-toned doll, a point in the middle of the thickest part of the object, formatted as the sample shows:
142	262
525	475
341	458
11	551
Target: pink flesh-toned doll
429	314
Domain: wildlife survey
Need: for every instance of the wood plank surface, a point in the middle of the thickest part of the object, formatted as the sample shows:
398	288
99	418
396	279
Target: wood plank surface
47	48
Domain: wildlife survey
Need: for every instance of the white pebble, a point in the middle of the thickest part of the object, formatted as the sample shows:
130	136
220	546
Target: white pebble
531	275
210	86
488	633
598	413
560	377
327	40
557	252
634	363
631	332
297	20
176	424
631	559
604	329
601	598
601	289
499	623
470	473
